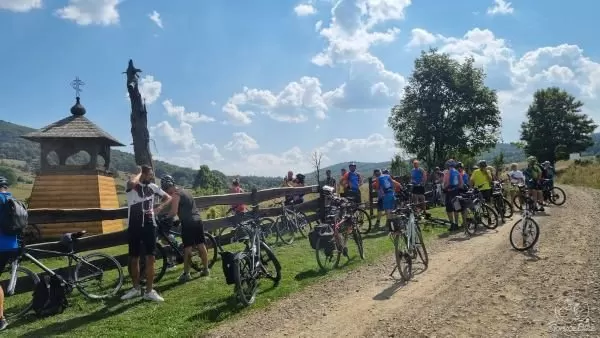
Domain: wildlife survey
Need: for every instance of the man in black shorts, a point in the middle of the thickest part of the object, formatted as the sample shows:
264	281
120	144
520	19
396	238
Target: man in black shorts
192	230
141	230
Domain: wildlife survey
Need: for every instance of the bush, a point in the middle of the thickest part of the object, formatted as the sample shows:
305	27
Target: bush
9	174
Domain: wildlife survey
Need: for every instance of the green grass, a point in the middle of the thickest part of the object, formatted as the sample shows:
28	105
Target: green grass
195	307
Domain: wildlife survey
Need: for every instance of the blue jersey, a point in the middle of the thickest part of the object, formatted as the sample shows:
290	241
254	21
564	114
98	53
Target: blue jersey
353	181
7	242
386	186
416	175
454	180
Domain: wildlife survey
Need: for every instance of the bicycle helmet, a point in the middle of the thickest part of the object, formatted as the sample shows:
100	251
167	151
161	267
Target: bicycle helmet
451	163
352	164
385	171
459	164
531	159
167	182
300	178
482	163
3	182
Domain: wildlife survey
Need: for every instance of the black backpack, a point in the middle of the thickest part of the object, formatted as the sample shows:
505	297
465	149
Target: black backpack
14	217
49	296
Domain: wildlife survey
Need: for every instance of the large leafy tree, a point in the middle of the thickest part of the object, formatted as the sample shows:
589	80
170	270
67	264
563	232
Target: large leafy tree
446	110
555	126
206	182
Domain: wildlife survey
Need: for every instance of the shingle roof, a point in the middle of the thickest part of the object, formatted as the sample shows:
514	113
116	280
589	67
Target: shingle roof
72	127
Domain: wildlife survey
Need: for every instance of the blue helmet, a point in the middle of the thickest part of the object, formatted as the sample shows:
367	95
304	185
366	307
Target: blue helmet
451	163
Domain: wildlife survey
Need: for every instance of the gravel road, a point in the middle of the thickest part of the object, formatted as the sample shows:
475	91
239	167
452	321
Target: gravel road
476	287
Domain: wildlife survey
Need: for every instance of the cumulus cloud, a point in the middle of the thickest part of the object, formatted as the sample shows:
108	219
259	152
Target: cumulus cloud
155	17
181	115
241	142
20	6
88	12
500	7
305	10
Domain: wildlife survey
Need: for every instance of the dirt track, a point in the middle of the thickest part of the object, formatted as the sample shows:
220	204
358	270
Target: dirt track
476	287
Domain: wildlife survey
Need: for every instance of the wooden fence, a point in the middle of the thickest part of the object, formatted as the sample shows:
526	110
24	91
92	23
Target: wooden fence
98	242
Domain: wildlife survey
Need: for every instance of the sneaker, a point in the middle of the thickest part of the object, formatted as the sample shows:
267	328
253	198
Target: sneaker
345	252
205	273
184	277
153	296
132	294
3	323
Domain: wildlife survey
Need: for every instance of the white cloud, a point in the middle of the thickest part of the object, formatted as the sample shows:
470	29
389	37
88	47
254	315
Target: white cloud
155	17
21	6
305	10
500	7
375	142
181	115
289	105
241	142
269	164
213	103
150	89
318	25
86	12
421	37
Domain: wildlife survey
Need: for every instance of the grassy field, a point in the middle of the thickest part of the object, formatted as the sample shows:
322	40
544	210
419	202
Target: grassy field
581	175
194	307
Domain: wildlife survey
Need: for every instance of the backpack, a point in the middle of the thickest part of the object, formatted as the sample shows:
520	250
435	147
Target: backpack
13	217
49	296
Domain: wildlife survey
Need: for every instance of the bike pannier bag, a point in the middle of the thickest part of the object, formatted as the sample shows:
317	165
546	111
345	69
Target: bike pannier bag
49	297
456	203
228	266
14	217
314	235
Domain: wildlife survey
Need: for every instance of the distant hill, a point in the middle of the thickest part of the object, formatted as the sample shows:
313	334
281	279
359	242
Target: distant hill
15	148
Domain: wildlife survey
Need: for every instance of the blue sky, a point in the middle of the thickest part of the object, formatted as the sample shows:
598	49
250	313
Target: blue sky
254	87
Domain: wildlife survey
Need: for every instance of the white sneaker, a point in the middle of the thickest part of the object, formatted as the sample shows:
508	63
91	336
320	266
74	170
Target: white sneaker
153	296
131	294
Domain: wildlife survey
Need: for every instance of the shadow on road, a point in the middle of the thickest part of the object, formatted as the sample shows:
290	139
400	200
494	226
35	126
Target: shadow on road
388	292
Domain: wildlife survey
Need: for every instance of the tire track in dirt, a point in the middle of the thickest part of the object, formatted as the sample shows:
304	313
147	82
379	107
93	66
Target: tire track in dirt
472	287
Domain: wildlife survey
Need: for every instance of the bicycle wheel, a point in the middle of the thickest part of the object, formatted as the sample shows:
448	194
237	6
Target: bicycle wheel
269	231
420	247
302	224
518	201
95	268
18	304
212	250
363	220
160	264
308	223
499	207
524	234
359	242
268	260
508	210
328	255
557	196
488	217
285	230
403	259
246	284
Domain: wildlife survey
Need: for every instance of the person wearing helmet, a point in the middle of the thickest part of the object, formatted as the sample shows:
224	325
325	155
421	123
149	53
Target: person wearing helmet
384	184
418	177
352	181
516	177
8	245
548	173
533	178
141	229
452	184
380	210
237	189
192	231
481	179
463	173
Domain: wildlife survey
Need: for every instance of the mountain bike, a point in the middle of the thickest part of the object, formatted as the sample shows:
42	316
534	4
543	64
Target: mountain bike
525	232
477	212
90	270
408	241
361	216
552	194
253	263
290	222
332	237
500	203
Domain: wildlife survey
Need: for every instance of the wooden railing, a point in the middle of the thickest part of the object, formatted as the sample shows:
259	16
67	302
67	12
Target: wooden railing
98	242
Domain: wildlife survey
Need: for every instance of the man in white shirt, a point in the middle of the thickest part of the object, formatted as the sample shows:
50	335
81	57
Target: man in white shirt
141	230
515	176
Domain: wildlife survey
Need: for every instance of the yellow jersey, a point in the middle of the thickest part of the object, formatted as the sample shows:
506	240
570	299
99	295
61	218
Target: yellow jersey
481	180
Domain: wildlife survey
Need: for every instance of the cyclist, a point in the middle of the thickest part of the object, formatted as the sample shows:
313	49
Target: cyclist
237	189
465	176
8	246
141	229
330	181
452	184
385	184
533	175
192	232
548	173
341	185
515	176
418	177
481	178
352	180
377	173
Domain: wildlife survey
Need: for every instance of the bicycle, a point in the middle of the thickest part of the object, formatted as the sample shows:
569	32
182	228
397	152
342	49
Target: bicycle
174	249
408	241
250	265
99	264
332	238
552	194
500	203
477	211
530	230
267	226
290	222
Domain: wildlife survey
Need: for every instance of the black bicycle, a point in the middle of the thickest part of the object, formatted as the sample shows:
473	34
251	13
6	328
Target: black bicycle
552	194
501	204
173	250
90	271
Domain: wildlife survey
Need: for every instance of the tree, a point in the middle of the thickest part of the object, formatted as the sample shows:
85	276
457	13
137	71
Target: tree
398	167
555	126
498	163
205	181
446	110
316	158
9	174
